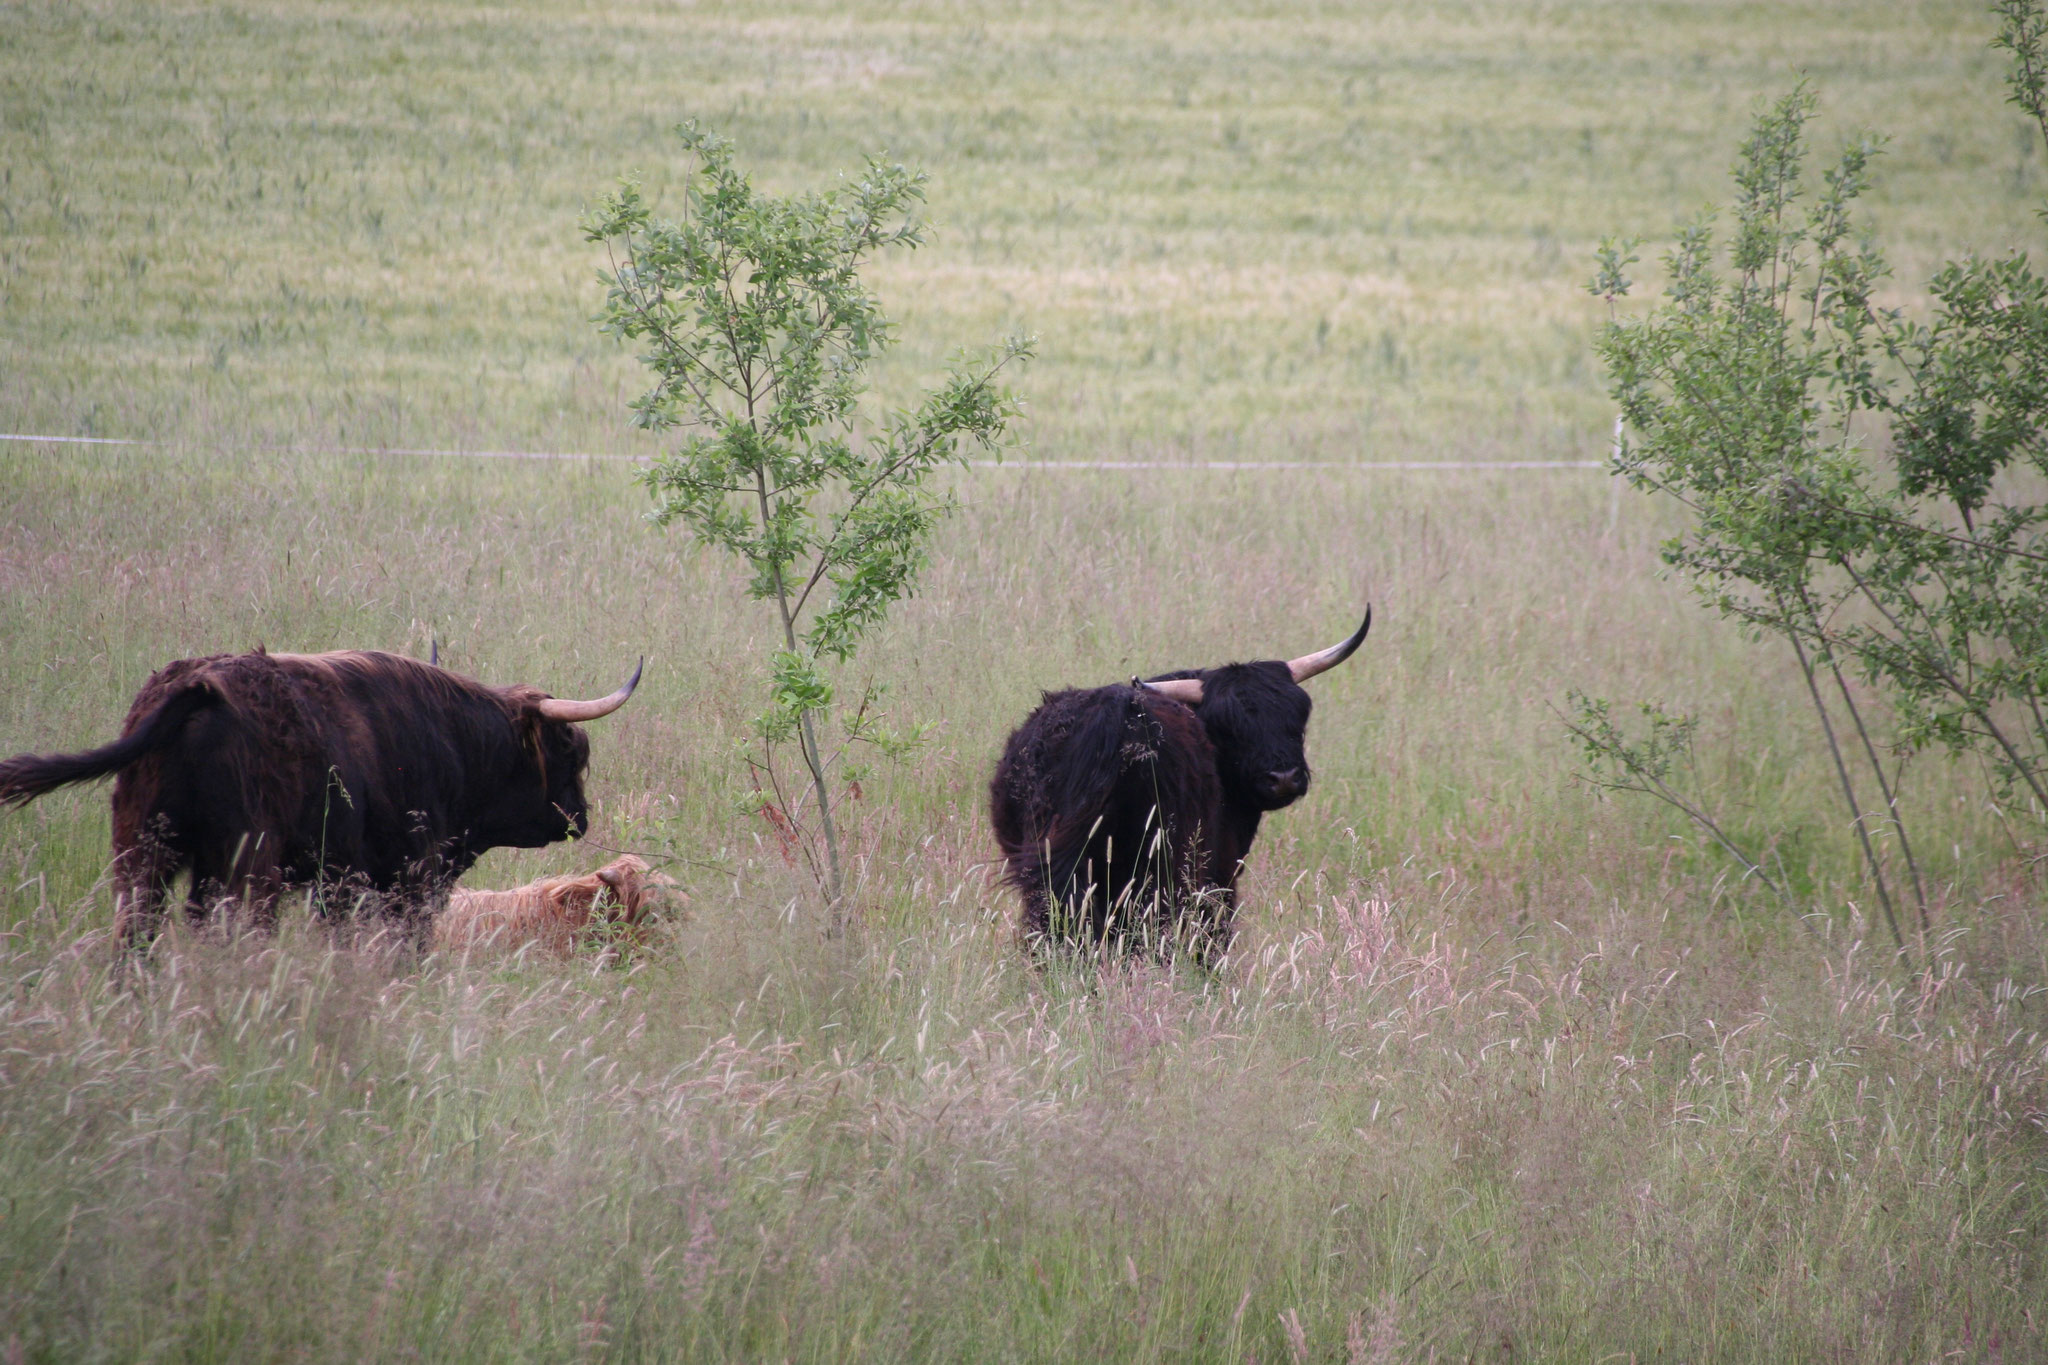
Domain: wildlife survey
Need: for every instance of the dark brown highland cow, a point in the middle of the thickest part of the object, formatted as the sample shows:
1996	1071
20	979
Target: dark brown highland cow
1126	811
368	770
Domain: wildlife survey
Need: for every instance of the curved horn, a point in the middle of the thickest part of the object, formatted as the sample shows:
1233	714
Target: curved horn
1308	665
1187	691
554	708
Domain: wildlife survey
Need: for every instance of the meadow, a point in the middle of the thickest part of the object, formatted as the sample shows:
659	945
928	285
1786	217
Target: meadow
1497	1070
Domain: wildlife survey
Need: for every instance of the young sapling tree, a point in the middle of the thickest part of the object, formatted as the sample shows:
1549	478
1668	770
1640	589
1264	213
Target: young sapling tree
1860	483
759	333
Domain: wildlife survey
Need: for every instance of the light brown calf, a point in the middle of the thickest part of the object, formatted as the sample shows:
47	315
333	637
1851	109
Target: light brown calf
551	911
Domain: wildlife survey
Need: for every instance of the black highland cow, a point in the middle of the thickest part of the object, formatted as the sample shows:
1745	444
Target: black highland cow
261	771
1127	811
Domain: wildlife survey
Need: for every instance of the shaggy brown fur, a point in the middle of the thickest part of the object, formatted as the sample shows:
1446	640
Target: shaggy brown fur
366	773
554	910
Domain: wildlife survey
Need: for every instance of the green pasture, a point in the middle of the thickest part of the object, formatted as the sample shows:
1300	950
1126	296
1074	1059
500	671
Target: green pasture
1497	1072
1342	231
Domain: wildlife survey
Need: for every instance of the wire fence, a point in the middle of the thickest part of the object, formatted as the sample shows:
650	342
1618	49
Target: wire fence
1226	466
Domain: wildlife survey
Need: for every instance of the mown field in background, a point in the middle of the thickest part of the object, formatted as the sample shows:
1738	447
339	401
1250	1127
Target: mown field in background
1498	1071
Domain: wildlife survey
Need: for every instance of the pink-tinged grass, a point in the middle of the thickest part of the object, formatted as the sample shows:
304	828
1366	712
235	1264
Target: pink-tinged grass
1377	1132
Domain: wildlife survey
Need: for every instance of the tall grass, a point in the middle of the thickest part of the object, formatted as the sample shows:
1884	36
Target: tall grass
758	1145
1495	1070
1492	1063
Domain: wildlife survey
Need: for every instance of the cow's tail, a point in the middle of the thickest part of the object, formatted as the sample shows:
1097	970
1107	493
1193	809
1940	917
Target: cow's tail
26	776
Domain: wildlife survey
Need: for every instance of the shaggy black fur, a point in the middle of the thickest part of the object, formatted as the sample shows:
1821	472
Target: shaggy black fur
261	771
1122	813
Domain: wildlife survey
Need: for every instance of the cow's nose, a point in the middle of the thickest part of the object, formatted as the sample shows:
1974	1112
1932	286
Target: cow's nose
1288	781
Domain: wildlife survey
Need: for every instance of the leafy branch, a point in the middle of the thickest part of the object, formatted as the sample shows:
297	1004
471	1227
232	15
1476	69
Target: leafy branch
1615	762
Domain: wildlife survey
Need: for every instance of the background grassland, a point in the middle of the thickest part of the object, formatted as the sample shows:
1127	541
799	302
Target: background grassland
1499	1071
1333	232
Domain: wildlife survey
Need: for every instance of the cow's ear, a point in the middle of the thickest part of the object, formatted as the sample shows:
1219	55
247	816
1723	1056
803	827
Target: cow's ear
613	877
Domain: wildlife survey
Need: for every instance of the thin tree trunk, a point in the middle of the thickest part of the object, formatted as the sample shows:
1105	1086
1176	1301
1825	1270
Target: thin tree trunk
808	741
1891	799
837	908
1884	894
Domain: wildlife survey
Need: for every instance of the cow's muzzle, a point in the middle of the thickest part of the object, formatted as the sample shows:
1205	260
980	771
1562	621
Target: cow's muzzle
1285	785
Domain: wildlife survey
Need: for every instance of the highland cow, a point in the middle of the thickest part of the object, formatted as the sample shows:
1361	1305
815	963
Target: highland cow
554	911
369	772
1125	812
